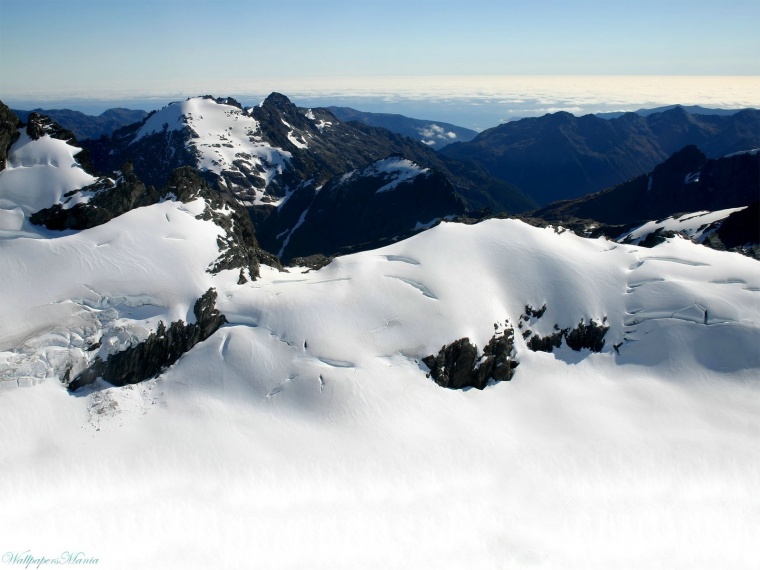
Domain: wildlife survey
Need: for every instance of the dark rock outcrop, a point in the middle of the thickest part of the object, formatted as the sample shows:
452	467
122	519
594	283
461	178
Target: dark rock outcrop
457	365
582	336
109	201
545	343
9	126
159	351
238	246
589	336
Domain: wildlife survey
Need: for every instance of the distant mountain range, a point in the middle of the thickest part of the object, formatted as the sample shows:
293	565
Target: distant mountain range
560	156
88	126
314	184
693	109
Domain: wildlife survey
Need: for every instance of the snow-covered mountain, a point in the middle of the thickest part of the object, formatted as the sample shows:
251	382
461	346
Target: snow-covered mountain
306	429
276	152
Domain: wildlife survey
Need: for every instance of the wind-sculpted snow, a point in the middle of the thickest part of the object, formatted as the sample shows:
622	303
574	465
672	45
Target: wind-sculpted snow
95	285
308	419
38	174
693	225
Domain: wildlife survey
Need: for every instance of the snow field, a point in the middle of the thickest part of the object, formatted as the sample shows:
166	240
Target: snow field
305	433
37	175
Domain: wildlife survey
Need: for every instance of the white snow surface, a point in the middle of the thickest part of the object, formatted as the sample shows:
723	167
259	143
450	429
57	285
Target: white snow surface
305	434
752	152
221	135
395	168
37	175
695	225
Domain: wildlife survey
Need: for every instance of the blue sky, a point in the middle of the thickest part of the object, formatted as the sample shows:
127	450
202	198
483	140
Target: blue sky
80	48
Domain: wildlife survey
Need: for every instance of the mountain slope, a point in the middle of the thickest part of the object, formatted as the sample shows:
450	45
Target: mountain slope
686	182
560	156
435	134
276	154
692	109
362	208
41	168
262	153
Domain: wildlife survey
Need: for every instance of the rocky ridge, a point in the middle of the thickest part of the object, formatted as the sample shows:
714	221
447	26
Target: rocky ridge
159	351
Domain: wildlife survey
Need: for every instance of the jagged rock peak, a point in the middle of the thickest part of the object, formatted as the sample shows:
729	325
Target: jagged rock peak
229	101
40	125
278	101
159	351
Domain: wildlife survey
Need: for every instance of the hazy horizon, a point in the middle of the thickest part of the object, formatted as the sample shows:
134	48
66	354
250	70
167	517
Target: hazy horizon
476	102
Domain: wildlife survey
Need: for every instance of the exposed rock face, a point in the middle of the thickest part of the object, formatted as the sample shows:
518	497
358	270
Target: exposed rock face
582	336
9	126
739	232
159	351
154	158
457	365
364	207
454	366
589	336
545	343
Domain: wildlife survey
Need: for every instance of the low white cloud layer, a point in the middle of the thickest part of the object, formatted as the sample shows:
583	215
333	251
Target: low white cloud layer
471	101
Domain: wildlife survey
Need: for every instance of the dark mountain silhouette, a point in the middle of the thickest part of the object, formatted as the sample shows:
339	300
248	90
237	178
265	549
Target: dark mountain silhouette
693	109
688	181
560	156
435	134
88	126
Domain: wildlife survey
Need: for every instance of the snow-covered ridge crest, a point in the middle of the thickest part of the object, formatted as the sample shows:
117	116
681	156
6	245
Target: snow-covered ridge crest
38	174
223	137
696	225
395	168
750	152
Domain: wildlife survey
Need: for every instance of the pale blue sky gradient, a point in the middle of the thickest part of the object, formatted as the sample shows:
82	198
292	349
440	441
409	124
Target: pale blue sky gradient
128	49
